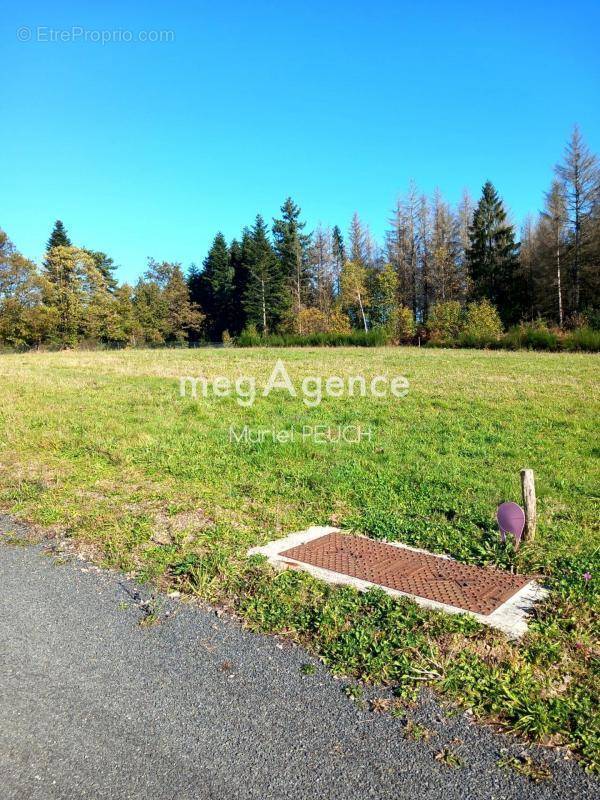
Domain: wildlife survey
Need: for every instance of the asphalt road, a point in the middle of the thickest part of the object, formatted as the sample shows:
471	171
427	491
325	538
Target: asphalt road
93	705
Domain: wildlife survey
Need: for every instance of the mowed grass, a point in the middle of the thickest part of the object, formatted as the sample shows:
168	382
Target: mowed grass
102	445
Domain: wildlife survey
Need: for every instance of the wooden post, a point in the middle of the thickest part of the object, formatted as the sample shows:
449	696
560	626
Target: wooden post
529	504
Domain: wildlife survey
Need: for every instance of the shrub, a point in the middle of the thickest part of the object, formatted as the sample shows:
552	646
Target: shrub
312	320
576	320
592	319
339	322
249	337
533	336
445	322
537	336
376	337
583	339
481	328
402	325
226	339
482	325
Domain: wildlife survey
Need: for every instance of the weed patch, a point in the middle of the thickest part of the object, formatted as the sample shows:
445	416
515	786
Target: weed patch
449	758
524	765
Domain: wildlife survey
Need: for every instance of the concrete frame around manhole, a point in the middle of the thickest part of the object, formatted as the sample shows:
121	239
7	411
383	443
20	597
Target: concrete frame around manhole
510	617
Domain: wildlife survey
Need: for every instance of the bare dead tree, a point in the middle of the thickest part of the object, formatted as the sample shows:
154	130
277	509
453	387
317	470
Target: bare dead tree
580	175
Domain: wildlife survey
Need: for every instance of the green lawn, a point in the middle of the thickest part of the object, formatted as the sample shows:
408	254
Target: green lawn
102	445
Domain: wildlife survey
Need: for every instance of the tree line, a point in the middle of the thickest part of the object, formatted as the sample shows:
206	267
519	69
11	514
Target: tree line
436	263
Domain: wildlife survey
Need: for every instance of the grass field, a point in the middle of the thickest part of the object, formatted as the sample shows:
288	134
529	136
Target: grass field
103	446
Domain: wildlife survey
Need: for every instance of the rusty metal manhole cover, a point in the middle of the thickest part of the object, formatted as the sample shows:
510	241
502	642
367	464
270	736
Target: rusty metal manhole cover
432	577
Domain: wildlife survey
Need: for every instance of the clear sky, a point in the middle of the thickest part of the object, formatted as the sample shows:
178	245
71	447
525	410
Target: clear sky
147	149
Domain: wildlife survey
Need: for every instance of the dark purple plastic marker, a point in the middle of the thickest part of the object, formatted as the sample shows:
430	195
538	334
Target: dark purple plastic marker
511	519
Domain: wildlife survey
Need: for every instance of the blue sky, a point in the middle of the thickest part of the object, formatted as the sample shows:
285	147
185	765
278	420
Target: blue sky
147	149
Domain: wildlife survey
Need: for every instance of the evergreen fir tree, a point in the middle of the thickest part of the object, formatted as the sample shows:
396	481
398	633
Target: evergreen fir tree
198	290
105	266
59	236
193	281
291	246
338	246
338	251
240	280
218	272
265	298
493	256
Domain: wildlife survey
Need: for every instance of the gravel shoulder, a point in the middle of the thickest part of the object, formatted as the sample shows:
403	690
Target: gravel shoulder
94	704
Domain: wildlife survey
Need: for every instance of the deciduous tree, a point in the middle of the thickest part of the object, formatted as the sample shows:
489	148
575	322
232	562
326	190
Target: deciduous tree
69	272
355	295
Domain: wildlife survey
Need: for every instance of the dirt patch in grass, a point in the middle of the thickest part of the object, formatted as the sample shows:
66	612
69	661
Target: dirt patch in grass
168	528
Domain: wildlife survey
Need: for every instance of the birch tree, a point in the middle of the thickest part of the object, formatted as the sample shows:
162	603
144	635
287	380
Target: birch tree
554	220
355	295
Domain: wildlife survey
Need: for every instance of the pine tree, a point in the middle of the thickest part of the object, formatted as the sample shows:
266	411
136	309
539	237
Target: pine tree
338	251
58	237
219	276
266	300
194	276
492	257
240	281
106	266
291	246
199	295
